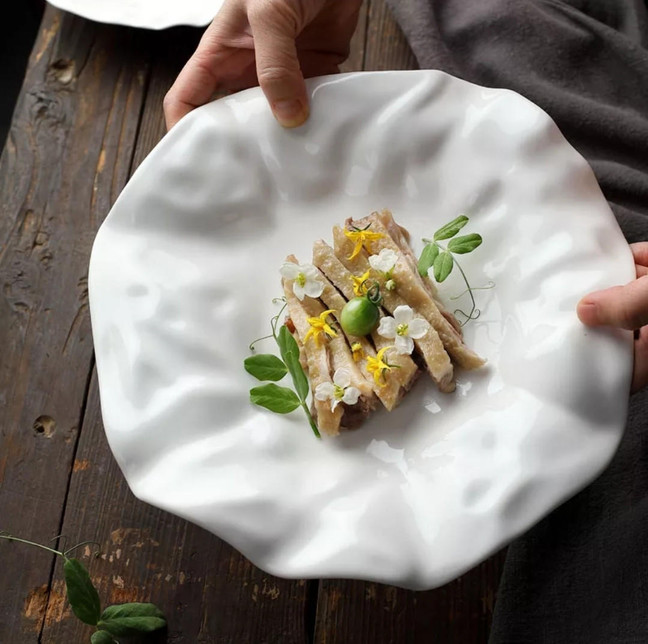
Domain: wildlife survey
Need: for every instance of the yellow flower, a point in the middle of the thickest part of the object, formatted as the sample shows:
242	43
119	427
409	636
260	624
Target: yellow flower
359	284
379	367
320	327
357	351
361	238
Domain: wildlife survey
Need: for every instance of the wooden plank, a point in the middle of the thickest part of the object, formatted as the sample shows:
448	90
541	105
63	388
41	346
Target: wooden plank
351	612
209	592
173	47
386	47
67	155
355	61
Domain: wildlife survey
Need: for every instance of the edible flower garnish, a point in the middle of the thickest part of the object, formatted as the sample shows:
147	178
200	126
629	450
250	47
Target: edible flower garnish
378	366
404	328
359	284
384	263
320	327
305	279
357	351
339	390
361	237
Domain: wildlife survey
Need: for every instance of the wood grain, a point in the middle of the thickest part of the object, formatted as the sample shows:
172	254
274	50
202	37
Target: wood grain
350	612
386	47
67	155
208	591
171	50
89	113
355	61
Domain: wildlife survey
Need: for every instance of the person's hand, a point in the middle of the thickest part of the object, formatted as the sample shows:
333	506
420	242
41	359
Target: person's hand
625	307
275	43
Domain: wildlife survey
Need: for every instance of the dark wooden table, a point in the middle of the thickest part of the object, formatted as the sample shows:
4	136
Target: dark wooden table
88	113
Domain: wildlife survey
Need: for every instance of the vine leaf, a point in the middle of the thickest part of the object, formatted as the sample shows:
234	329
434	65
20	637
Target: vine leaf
426	261
290	353
443	266
124	620
451	228
281	400
81	593
265	366
464	244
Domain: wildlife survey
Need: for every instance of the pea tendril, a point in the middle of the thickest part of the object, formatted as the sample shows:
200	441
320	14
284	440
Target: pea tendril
442	259
281	400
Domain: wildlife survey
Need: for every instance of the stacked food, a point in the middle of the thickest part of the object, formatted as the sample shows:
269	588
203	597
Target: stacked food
367	323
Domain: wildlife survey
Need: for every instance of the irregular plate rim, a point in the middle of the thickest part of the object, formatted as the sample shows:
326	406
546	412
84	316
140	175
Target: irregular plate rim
510	534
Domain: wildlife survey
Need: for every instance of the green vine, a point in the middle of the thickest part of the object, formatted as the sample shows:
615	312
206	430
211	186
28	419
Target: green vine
113	622
442	259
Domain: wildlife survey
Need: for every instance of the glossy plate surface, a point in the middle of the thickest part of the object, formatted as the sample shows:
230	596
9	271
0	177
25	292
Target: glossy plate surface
148	14
182	276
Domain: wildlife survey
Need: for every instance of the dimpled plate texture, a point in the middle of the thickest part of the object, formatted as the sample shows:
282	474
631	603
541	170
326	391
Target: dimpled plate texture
182	278
147	14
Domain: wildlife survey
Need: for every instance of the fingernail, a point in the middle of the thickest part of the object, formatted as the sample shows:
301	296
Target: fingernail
586	311
290	113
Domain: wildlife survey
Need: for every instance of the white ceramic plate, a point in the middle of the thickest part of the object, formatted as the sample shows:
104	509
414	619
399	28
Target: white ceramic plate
182	276
148	14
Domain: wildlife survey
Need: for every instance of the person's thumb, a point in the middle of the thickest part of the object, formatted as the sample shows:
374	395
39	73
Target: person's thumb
277	65
620	306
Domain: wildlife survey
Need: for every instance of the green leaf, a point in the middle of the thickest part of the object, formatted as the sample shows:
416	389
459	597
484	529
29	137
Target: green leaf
464	244
81	594
290	354
124	626
132	609
427	258
278	399
443	266
129	619
451	229
102	637
265	367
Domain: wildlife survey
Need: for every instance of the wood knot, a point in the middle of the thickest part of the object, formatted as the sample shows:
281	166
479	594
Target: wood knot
44	426
63	70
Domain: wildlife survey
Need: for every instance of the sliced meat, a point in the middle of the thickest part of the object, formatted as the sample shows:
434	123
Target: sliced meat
317	360
354	415
340	357
430	346
400	379
401	238
411	290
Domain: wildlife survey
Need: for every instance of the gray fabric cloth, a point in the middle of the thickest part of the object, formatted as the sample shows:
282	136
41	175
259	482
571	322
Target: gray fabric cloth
581	575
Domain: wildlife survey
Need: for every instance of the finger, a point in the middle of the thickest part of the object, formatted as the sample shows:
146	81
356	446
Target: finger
194	87
641	270
278	70
620	306
199	78
640	253
640	374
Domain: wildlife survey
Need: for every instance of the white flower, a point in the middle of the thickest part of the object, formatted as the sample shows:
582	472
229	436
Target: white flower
404	328
338	391
305	279
384	262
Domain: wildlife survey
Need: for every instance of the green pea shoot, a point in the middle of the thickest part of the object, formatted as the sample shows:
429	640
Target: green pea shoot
442	259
